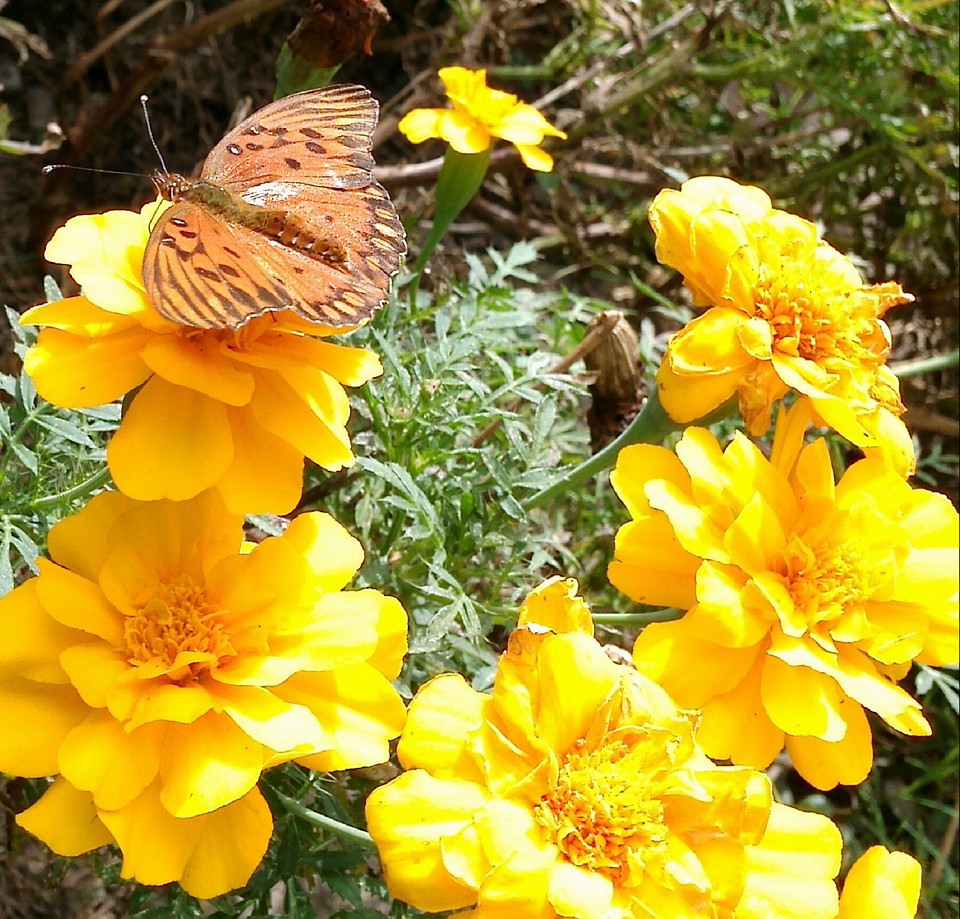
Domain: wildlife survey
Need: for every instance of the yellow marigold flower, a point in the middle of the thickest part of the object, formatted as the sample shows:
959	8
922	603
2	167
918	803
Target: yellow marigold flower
577	789
156	669
235	411
807	600
881	883
786	311
479	114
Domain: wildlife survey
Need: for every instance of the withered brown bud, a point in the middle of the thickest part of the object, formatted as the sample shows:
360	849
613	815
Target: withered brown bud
614	365
333	32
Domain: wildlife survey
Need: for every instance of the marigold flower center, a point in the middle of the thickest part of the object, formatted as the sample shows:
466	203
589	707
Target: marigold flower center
824	575
178	619
600	813
813	324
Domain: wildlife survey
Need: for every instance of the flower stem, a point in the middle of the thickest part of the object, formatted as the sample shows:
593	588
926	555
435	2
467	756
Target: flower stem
80	490
920	365
650	426
628	620
460	176
322	820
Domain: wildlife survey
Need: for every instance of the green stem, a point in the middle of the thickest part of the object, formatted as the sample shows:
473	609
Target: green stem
80	490
325	822
921	365
634	619
651	426
460	176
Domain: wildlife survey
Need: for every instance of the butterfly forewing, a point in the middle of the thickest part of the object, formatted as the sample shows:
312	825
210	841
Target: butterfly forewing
318	137
285	215
202	276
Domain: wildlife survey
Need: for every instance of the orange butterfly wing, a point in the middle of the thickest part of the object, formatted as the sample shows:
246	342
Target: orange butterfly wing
306	226
201	275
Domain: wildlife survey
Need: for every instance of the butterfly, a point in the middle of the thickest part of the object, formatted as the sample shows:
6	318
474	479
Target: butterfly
285	215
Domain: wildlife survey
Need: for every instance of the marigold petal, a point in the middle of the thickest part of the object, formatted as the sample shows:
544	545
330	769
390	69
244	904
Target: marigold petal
524	124
721	615
421	124
860	679
298	418
881	883
32	639
443	713
691	668
358	708
463	132
114	765
214	868
105	254
156	846
284	352
534	158
334	556
574	891
518	887
574	676
556	605
755	539
172	443
736	726
464	859
80	542
407	818
846	762
703	365
791	873
270	720
243	487
650	565
206	765
95	669
697	531
639	463
199	363
79	317
36	718
801	701
74	371
66	820
75	602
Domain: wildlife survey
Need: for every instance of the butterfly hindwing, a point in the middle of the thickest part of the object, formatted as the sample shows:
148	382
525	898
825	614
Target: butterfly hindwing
360	224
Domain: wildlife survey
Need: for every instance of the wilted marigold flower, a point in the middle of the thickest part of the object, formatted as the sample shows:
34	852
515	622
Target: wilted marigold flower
881	883
210	408
156	670
806	600
479	114
786	312
577	789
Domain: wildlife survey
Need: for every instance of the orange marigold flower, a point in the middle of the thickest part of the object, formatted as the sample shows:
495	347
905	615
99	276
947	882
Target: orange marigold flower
806	600
786	312
478	115
210	408
577	789
157	669
881	883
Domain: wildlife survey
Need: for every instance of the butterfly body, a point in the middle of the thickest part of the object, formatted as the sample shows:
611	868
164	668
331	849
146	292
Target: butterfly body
284	216
280	226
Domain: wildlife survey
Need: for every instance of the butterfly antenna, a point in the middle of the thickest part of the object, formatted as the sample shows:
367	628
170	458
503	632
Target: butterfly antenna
153	143
112	172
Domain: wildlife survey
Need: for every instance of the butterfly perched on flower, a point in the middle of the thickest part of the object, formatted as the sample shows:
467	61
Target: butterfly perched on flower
286	215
